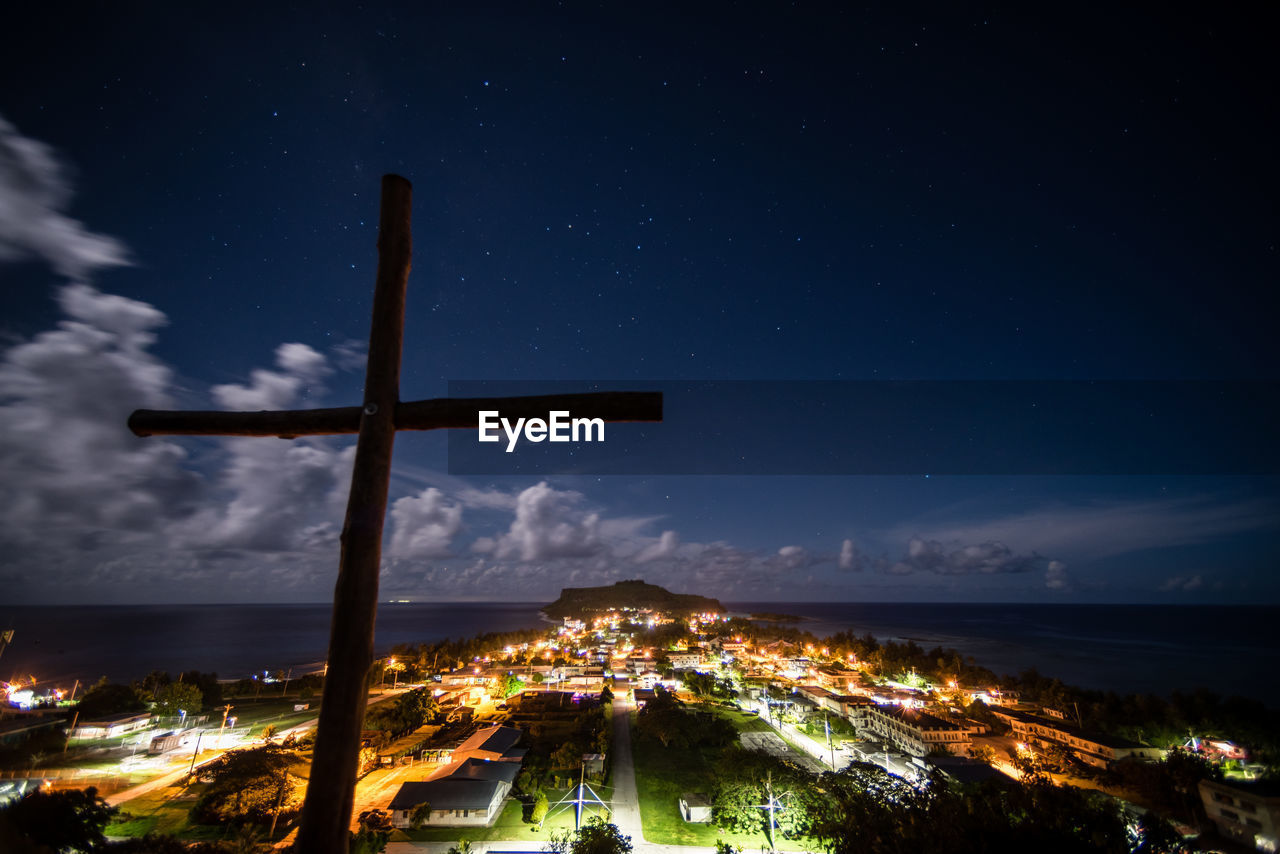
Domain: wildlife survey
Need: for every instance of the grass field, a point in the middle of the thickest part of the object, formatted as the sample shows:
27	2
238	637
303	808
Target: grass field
663	775
163	811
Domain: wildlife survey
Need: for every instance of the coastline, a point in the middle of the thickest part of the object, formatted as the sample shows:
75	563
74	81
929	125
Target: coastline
1126	649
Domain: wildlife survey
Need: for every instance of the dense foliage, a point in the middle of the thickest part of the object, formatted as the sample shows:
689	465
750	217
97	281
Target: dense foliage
667	721
108	698
402	715
69	820
248	786
595	837
178	697
1158	720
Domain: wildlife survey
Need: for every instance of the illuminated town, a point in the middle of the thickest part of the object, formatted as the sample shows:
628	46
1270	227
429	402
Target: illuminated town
661	725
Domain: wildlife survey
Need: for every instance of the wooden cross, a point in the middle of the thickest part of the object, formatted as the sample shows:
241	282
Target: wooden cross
326	812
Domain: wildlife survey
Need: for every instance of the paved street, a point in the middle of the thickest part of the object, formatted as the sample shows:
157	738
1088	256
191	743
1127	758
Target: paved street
626	803
183	767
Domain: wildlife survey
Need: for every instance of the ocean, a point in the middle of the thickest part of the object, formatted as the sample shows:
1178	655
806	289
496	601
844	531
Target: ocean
1125	648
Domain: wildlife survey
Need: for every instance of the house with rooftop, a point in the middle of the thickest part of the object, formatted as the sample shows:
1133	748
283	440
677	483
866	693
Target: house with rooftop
685	660
470	793
915	732
1247	813
492	744
471	789
1095	748
110	726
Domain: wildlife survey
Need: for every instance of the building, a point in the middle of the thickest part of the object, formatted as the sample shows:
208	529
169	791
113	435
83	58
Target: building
820	697
854	709
838	680
1094	748
593	764
685	660
1248	813
470	793
112	725
493	744
695	808
915	732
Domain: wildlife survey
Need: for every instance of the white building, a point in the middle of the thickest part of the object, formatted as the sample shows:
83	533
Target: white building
915	732
1248	813
1094	748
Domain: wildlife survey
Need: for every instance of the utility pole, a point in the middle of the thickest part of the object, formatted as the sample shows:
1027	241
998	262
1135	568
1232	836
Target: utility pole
826	724
71	729
226	710
195	753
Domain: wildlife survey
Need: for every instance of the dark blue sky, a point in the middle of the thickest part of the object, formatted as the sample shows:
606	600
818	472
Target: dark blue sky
745	192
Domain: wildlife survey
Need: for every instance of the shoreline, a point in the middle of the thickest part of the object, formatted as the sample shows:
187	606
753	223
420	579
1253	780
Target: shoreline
1143	649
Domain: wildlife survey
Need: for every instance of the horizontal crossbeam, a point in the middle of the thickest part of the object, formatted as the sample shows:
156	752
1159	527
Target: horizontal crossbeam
434	414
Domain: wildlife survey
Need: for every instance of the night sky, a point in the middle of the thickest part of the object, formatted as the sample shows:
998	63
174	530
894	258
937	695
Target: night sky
632	193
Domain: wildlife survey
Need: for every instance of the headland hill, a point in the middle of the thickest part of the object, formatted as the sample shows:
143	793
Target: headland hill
635	594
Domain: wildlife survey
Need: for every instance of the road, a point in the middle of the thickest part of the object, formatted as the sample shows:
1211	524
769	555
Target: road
626	806
626	802
380	785
171	778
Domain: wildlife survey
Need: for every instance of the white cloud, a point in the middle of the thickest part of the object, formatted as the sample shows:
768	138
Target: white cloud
849	560
664	547
69	467
957	559
486	499
423	525
1056	577
273	496
793	558
1182	583
301	369
548	525
1110	528
34	194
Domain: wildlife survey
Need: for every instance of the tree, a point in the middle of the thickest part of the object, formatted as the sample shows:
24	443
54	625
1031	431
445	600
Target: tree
210	687
69	820
600	837
246	787
179	697
541	805
369	840
558	842
567	756
106	698
375	820
606	695
420	816
512	685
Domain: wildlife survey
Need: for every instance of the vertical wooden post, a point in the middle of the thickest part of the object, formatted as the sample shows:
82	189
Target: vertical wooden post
326	813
